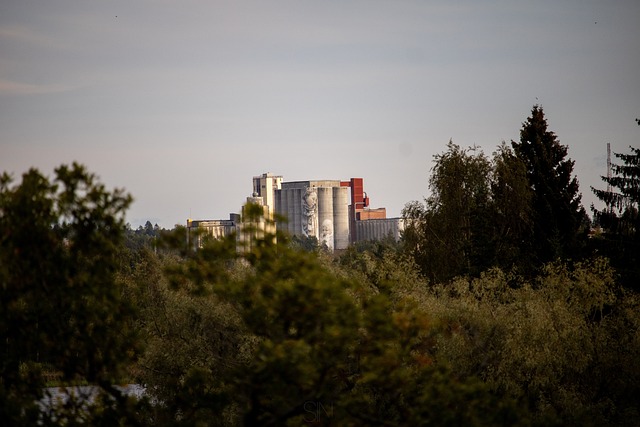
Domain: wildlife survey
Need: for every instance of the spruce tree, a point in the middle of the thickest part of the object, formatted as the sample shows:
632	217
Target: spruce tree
619	219
559	220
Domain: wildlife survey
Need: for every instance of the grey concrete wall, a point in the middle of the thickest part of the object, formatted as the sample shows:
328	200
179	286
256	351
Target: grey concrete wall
377	229
341	217
325	216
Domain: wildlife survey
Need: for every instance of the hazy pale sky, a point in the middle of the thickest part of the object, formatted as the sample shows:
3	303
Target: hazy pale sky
183	102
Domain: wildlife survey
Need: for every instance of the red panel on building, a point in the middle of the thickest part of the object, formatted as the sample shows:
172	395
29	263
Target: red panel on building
357	193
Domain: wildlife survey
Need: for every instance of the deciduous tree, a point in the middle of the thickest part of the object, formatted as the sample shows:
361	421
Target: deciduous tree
451	234
512	213
62	311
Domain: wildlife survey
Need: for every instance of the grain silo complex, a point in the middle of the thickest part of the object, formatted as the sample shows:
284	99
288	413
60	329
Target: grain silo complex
332	211
335	212
317	209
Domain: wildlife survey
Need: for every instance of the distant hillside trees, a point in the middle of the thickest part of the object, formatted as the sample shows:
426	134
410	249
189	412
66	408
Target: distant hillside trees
143	236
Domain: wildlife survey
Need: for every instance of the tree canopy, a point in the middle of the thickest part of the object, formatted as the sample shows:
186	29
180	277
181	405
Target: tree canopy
519	209
62	310
449	235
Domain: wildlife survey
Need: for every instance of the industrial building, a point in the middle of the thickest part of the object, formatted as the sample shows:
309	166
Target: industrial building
199	230
247	230
317	209
334	212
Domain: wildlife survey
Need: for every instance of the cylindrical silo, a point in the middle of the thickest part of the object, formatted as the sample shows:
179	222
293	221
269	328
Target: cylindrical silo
296	212
341	217
309	211
325	216
290	214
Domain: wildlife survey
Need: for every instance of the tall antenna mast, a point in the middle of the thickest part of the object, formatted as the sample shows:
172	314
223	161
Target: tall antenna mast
609	176
608	167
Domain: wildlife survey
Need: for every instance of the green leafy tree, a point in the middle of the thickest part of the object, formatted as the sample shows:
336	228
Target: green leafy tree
560	222
451	233
512	216
192	339
309	244
63	313
564	345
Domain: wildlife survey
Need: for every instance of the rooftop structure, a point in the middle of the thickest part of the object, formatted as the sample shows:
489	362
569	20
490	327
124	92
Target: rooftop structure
265	186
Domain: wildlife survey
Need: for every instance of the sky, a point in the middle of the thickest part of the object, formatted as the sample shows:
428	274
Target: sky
181	103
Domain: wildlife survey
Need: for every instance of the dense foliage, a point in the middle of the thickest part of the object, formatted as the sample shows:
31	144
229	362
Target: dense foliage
63	313
288	337
450	234
282	336
520	209
462	323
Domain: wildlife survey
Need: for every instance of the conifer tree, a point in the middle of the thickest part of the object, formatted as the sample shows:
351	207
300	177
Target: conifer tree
559	220
619	219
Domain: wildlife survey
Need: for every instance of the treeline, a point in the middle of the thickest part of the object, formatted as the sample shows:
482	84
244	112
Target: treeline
521	209
471	320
